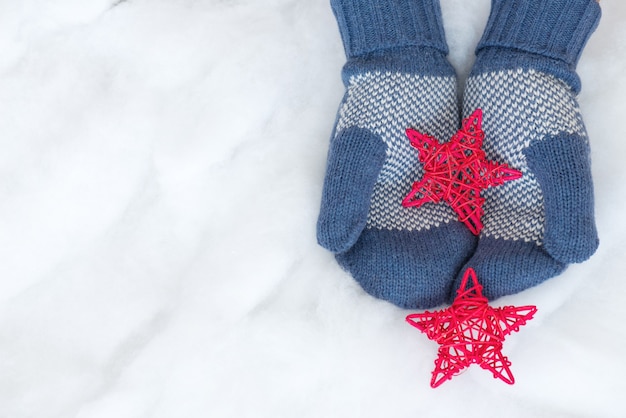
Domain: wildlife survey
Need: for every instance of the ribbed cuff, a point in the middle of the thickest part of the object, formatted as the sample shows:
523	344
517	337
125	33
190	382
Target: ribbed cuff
557	29
369	26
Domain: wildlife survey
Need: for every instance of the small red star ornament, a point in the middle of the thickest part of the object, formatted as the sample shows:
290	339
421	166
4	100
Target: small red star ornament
457	171
470	331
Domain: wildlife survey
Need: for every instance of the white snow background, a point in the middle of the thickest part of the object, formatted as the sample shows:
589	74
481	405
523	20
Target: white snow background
161	166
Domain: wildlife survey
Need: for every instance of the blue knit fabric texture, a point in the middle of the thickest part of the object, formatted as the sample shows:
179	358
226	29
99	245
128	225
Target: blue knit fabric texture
545	35
396	77
524	80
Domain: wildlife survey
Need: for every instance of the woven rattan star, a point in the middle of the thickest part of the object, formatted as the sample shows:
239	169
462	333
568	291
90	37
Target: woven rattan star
470	331
457	171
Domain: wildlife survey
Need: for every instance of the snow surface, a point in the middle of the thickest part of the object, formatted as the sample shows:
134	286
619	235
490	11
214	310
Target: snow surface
161	165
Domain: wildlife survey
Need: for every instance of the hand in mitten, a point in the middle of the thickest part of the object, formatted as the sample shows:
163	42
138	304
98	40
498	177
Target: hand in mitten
396	77
524	81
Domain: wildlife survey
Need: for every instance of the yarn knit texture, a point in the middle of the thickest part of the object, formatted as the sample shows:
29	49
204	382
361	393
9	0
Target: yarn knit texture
525	82
396	77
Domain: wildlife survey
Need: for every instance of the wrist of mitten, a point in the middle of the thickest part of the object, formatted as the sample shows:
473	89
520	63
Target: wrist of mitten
546	35
370	26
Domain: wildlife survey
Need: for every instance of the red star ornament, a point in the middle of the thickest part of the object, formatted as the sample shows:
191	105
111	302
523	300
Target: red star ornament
457	171
470	331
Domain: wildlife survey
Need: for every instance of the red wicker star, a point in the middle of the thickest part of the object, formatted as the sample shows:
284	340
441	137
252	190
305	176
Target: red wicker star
457	171
471	331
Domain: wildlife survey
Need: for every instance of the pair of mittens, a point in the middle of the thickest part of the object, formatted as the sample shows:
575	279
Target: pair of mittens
397	77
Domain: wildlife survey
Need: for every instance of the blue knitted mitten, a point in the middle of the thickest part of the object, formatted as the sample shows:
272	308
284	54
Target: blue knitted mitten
525	82
396	77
